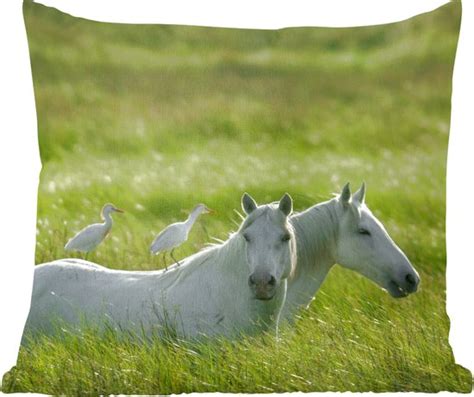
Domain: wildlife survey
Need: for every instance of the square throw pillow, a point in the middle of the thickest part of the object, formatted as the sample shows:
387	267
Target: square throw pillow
240	211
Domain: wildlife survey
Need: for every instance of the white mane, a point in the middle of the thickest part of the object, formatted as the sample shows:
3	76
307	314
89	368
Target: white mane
232	249
316	230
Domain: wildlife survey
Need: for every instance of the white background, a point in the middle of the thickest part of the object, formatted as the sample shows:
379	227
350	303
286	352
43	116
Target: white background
19	158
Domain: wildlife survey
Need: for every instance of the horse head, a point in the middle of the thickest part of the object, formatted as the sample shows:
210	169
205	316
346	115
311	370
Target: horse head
270	244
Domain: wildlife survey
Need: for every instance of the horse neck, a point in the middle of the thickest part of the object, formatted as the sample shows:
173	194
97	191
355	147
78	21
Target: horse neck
232	258
316	233
227	258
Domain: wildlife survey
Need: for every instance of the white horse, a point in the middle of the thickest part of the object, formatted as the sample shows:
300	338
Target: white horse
235	287
344	231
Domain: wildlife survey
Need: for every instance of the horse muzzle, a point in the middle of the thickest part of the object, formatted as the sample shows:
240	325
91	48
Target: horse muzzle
263	286
404	285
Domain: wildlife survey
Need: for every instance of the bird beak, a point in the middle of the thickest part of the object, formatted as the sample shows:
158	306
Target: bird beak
210	211
119	210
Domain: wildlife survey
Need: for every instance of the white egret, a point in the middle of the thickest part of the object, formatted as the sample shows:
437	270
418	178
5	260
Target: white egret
176	234
91	236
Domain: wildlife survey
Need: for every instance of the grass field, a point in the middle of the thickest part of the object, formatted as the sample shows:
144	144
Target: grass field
158	118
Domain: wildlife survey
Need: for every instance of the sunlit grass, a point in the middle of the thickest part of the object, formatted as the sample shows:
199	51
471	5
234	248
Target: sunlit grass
156	119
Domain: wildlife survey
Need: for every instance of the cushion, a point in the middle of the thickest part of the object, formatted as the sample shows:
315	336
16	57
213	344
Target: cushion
243	260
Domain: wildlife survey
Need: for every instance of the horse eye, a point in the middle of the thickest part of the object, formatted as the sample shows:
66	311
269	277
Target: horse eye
246	237
364	231
286	237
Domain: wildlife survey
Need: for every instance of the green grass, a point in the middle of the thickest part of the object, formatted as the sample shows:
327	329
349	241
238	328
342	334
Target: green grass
158	118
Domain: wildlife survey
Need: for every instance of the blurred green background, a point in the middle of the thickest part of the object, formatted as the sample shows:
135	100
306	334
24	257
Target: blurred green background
158	118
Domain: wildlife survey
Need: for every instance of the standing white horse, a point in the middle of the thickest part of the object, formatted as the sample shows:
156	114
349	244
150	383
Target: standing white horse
236	287
344	231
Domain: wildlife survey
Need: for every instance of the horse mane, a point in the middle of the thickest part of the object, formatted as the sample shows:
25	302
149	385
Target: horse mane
316	230
215	252
232	249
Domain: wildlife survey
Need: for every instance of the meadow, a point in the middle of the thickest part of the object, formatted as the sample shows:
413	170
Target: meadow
158	118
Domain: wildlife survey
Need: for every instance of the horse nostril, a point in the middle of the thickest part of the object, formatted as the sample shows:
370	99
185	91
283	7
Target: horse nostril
410	279
252	281
272	281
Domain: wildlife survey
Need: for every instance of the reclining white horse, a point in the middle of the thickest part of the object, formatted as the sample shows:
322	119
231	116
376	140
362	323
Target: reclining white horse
344	231
236	287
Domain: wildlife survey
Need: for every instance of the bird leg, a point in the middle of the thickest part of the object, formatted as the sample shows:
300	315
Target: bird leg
175	261
164	261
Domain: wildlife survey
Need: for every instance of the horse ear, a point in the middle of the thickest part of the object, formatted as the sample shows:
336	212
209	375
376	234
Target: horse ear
286	204
345	194
248	203
359	196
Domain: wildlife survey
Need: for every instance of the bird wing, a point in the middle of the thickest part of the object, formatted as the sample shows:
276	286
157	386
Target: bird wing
168	238
88	238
